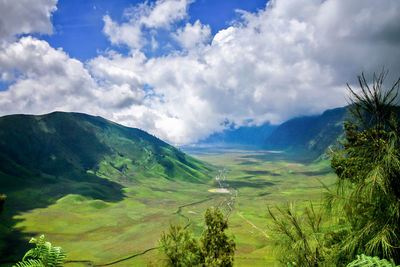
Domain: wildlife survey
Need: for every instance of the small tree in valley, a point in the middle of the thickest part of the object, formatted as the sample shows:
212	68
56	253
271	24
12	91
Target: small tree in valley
214	248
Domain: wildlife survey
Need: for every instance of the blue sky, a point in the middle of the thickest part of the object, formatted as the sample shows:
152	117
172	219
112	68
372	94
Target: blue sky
185	69
78	24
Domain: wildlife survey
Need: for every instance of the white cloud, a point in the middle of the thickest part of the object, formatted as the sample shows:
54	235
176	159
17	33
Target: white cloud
25	16
161	14
165	12
44	79
291	58
193	35
126	33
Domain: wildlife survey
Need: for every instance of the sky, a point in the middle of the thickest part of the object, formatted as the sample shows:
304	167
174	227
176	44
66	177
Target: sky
184	69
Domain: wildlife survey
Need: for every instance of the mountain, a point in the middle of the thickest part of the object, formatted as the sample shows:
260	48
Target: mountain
309	136
60	143
45	158
245	135
48	156
305	137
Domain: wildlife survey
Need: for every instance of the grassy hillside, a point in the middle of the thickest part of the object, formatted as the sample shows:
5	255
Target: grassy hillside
44	158
58	143
310	136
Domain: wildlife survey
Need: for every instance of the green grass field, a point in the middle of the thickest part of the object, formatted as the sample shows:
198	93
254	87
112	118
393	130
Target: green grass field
105	232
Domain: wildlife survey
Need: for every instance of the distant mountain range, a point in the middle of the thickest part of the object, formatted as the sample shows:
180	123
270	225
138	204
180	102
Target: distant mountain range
309	135
305	137
246	135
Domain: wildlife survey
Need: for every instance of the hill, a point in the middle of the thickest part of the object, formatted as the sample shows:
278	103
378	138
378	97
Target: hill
309	136
59	143
43	158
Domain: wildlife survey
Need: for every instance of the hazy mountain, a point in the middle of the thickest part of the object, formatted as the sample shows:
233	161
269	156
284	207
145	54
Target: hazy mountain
246	135
309	136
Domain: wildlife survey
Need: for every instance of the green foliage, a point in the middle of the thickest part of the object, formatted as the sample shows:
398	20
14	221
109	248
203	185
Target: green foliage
367	261
374	105
214	248
44	254
180	247
299	239
30	263
368	169
217	248
2	200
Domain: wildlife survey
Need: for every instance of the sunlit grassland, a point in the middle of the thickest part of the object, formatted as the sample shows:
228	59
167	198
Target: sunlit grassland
266	179
103	232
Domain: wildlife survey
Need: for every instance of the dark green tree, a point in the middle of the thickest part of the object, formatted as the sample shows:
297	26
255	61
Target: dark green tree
368	170
214	248
217	248
180	247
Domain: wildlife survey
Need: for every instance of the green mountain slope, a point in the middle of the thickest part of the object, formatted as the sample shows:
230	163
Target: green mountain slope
309	137
44	158
60	143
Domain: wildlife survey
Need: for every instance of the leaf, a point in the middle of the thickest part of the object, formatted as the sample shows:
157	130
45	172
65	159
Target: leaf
367	261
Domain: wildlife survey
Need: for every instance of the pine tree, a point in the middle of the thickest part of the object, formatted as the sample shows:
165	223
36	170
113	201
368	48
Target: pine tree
299	238
368	170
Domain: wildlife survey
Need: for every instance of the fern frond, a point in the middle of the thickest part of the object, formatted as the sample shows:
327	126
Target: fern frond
367	261
30	263
44	252
55	257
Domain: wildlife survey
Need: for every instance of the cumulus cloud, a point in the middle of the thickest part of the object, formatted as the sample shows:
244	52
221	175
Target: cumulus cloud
126	33
291	58
164	12
43	79
193	35
25	16
161	14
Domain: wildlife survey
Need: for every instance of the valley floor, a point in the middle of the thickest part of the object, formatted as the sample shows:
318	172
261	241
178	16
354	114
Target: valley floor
126	233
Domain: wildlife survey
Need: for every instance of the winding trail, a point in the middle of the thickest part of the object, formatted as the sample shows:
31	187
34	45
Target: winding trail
221	179
254	226
228	203
179	211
